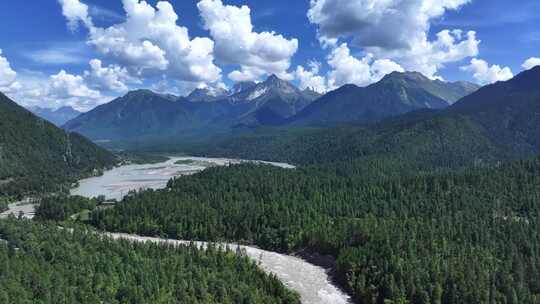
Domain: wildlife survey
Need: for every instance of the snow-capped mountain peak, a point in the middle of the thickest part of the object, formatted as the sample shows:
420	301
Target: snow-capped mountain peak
271	87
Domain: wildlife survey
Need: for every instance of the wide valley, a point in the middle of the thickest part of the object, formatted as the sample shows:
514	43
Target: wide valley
310	281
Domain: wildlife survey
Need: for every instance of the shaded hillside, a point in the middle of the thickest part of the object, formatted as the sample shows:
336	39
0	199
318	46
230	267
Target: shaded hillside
509	111
397	93
420	142
138	114
36	156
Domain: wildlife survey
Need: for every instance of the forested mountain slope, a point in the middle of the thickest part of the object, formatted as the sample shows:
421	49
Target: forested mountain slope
509	111
430	140
36	156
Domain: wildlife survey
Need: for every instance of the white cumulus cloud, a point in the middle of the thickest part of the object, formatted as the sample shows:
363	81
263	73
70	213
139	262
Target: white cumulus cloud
486	74
76	13
236	42
150	41
36	88
64	85
395	29
387	24
54	91
109	78
8	77
382	67
347	69
7	74
311	78
531	63
427	57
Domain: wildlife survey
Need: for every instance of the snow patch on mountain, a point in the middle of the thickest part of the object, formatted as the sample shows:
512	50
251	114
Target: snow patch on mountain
257	93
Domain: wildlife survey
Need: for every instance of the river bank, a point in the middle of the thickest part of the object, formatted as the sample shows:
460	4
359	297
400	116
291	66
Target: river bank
24	208
312	282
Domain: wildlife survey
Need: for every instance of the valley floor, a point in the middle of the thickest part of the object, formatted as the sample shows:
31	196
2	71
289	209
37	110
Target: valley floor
312	282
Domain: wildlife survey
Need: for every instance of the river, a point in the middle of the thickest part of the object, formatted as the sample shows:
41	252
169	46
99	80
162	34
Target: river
310	281
116	183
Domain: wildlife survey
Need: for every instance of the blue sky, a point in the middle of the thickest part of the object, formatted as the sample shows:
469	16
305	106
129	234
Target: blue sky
347	44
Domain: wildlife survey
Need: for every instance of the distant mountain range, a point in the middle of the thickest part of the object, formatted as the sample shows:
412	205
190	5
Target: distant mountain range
36	156
397	93
147	116
495	123
58	117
